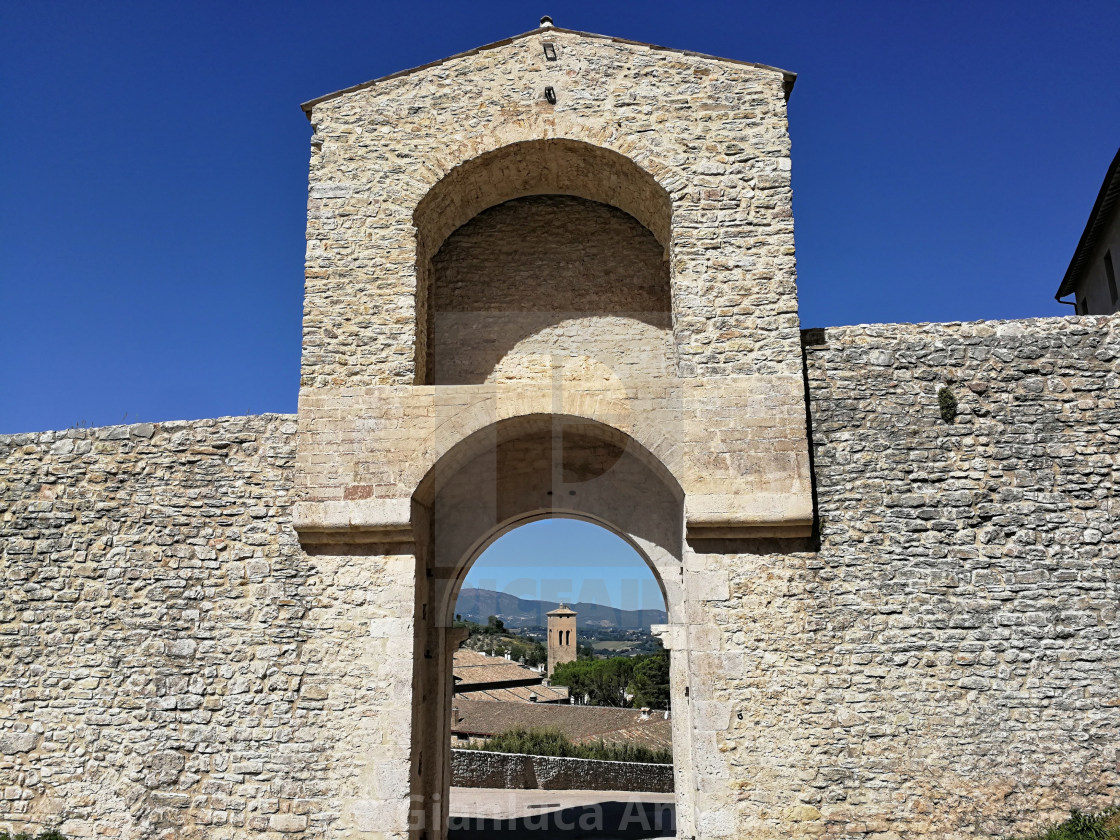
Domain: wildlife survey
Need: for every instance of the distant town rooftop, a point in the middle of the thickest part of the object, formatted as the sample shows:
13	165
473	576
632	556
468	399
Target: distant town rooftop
580	724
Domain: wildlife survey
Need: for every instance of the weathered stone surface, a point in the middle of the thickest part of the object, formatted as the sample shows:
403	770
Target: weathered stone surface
710	135
736	445
624	254
547	281
172	658
944	665
17	742
287	823
132	697
477	768
938	660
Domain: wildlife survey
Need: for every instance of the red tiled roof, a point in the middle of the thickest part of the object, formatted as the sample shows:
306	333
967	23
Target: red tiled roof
474	671
520	694
579	723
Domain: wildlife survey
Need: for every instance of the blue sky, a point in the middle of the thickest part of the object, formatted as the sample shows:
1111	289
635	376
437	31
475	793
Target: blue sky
567	560
154	159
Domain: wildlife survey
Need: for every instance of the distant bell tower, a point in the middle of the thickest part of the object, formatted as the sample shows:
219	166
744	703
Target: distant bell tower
561	637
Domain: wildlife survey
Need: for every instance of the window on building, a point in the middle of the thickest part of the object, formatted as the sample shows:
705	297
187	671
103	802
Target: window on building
1110	273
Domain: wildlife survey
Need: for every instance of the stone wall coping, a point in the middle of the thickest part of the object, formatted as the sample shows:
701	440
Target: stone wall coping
482	768
585	762
136	430
970	329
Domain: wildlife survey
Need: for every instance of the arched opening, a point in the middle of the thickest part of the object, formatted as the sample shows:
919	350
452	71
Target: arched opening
546	282
524	698
542	255
514	472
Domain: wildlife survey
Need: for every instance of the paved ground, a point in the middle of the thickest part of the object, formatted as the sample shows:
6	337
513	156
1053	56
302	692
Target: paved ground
569	814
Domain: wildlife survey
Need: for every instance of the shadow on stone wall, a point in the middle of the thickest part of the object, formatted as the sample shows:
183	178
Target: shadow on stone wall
601	819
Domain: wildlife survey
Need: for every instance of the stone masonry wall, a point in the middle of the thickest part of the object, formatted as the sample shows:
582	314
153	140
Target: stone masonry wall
711	133
550	283
150	631
946	664
479	768
693	148
172	664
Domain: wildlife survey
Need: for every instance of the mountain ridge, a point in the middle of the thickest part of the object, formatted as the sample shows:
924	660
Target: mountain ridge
479	604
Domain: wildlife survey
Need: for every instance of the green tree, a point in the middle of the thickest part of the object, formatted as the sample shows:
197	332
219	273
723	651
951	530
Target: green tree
602	681
607	682
1102	826
650	684
492	637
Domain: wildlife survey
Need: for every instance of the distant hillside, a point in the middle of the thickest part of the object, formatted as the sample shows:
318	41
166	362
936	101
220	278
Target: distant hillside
479	604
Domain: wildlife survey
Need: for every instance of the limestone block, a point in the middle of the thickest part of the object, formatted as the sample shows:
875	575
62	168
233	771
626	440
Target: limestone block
707	586
717	822
17	742
711	716
287	823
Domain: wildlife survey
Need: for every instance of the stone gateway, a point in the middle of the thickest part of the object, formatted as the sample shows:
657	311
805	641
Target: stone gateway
555	276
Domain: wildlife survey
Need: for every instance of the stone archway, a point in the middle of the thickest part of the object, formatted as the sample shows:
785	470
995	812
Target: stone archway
510	473
560	169
716	430
545	287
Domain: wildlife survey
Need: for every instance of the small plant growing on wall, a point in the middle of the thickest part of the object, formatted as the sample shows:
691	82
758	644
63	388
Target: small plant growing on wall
947	402
1102	826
